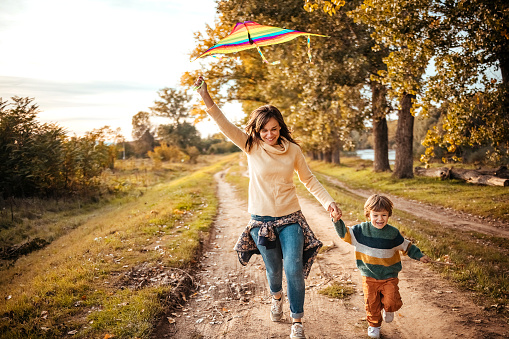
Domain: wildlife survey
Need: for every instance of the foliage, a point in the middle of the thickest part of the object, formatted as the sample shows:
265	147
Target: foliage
40	160
324	96
172	104
451	54
83	282
167	152
141	123
182	135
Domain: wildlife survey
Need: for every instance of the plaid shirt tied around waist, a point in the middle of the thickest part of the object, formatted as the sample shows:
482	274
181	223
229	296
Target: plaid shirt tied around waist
246	246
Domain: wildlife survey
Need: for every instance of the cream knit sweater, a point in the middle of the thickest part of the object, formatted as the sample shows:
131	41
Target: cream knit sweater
271	189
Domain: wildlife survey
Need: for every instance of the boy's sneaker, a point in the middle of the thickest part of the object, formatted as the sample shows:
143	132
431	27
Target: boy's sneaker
297	331
374	332
387	316
276	310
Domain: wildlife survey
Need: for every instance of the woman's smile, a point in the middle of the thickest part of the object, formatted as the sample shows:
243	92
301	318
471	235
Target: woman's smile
270	132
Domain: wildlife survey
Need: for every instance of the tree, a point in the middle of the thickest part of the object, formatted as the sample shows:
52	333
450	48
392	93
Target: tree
141	123
404	140
307	93
365	50
39	160
182	135
172	105
466	44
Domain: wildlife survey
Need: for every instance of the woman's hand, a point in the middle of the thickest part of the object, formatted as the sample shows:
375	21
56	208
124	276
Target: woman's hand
335	212
201	87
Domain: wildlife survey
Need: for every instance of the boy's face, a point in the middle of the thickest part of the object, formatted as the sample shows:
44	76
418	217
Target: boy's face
379	218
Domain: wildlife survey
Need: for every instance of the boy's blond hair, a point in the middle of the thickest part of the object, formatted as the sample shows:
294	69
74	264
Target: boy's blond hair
377	203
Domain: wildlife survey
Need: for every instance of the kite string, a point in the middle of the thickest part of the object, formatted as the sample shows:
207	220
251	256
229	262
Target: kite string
265	60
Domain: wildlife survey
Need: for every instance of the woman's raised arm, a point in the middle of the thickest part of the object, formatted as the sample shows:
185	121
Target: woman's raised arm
235	134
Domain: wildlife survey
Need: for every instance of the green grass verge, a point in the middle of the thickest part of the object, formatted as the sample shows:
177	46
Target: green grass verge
486	201
75	285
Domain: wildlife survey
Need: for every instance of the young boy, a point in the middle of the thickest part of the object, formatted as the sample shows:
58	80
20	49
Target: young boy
377	246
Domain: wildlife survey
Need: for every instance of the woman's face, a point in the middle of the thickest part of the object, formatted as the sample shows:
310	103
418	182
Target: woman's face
270	132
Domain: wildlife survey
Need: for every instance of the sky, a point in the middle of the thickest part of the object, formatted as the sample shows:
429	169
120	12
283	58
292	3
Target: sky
92	63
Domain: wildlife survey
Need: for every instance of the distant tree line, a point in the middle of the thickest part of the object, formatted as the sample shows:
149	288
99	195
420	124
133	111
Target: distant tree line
176	139
39	159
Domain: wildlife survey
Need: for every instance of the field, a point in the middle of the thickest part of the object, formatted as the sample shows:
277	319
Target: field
116	265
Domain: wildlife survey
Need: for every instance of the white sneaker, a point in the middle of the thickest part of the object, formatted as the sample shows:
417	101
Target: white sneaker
374	332
387	316
276	310
297	331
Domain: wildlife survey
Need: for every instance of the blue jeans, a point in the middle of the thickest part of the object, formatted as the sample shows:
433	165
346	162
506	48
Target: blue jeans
288	254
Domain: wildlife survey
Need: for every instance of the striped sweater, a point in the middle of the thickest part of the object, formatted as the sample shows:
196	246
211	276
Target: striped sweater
377	251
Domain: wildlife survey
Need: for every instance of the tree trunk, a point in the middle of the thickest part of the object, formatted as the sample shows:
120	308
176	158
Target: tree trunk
336	159
403	166
501	171
316	156
380	130
440	172
478	177
475	177
327	156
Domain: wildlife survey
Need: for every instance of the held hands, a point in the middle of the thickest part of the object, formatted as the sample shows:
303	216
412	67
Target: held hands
425	259
335	212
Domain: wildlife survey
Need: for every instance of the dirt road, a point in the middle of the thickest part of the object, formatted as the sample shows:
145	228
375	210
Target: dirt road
232	301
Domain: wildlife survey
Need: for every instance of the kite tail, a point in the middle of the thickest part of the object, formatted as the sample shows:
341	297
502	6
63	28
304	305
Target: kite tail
265	60
309	48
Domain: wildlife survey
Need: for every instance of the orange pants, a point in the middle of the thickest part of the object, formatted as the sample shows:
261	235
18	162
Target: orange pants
378	295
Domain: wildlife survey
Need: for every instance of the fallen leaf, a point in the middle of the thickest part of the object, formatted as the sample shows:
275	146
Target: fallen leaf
108	336
44	328
171	320
44	314
73	332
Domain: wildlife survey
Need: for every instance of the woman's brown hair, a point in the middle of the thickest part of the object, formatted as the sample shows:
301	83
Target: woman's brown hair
259	118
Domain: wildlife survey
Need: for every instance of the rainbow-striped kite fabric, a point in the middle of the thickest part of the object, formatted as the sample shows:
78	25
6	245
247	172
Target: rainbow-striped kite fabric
249	34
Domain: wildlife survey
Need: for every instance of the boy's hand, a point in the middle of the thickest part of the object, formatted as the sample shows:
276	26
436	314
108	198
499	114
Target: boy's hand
335	212
425	259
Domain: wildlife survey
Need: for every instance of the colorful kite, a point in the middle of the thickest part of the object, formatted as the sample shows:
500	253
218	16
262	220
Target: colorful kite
249	34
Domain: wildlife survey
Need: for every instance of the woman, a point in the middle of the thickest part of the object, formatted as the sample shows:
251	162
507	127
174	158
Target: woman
277	229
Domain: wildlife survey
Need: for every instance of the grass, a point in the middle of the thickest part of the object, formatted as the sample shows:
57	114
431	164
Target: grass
337	290
481	262
51	218
80	284
485	201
